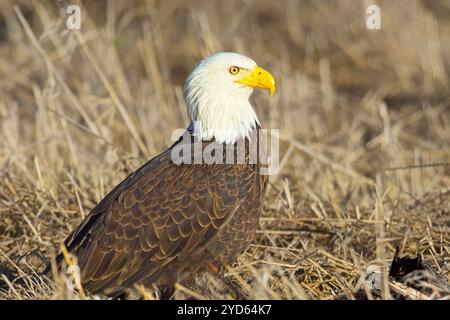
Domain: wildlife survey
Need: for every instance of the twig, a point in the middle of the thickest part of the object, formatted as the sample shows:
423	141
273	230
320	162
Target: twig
426	165
71	264
406	291
188	291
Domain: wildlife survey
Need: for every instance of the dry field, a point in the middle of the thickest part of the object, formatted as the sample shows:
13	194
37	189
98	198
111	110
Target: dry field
364	119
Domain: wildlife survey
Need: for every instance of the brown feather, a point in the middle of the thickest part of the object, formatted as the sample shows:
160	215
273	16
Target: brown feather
166	219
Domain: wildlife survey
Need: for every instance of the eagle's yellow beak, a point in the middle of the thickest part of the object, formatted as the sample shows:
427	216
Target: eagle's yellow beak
259	78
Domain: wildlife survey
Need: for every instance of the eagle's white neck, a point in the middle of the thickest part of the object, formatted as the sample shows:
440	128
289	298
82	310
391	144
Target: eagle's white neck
219	114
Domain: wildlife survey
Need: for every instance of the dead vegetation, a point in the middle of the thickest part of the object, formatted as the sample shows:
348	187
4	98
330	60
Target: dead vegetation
364	119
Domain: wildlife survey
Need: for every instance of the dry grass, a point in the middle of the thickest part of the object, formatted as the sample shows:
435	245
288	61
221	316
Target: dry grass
80	111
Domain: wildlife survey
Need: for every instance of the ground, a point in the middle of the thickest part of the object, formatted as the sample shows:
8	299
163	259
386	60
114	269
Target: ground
363	118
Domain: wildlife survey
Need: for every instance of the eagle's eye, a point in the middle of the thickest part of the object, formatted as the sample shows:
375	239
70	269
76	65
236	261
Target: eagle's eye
234	70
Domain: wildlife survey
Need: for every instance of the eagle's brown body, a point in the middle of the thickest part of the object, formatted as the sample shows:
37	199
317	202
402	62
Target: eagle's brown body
166	221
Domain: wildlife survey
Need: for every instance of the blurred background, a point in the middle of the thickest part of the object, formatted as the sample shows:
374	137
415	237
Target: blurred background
364	118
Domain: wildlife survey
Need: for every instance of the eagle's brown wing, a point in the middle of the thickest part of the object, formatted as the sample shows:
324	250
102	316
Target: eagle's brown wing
155	218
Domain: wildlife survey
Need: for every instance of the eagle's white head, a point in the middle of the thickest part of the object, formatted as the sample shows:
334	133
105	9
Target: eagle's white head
217	94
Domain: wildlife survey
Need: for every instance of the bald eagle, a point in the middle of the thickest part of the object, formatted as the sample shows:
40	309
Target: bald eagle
171	218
